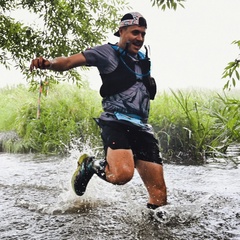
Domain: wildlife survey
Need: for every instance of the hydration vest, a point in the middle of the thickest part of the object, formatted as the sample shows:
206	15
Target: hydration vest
124	76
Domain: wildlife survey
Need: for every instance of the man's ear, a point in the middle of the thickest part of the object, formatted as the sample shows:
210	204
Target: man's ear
122	29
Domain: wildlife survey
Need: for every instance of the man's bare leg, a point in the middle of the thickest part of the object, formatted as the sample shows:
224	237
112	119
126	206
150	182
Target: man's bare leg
153	178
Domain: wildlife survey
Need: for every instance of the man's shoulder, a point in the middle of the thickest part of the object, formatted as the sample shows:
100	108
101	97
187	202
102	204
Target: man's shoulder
105	50
104	47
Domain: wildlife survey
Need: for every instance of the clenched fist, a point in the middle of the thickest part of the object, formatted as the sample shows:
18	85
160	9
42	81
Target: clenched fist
40	63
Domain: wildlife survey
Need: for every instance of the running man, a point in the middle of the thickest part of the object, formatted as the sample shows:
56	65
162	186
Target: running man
127	88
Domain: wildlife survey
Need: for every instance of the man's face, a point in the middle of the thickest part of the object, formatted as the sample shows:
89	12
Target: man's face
134	35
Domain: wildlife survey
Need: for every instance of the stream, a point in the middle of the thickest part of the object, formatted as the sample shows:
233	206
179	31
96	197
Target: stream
37	202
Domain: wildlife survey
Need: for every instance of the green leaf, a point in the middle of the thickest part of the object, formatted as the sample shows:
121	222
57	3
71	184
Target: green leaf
237	74
234	82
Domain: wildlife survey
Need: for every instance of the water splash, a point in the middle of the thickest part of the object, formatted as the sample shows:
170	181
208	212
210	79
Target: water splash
37	198
180	212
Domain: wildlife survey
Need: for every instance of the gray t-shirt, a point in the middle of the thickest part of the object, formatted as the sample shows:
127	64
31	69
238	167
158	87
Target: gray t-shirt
134	100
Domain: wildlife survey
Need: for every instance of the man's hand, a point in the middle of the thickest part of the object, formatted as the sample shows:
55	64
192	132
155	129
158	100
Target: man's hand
40	63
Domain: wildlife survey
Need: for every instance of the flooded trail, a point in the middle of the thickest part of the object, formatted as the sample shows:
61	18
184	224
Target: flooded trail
37	202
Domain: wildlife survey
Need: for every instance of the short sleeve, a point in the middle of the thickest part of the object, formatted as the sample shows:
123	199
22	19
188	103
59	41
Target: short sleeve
103	57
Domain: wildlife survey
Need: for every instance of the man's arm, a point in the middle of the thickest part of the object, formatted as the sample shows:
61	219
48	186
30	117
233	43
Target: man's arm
60	63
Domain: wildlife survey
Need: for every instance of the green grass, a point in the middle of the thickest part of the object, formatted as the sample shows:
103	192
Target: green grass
66	113
190	124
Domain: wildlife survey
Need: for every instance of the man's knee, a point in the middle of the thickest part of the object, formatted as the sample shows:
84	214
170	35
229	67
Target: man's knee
120	168
121	176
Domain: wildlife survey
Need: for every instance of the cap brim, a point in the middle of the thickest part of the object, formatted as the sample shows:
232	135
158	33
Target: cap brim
117	34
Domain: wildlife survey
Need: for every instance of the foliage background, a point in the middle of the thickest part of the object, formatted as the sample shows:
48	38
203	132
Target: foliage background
68	27
190	125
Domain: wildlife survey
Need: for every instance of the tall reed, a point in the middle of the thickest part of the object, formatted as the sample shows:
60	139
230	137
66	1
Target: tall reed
186	124
227	116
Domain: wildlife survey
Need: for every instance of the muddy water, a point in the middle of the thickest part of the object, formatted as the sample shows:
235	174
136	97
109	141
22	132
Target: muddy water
36	202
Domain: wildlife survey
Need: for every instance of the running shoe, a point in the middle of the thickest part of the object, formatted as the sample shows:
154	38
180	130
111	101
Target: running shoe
83	174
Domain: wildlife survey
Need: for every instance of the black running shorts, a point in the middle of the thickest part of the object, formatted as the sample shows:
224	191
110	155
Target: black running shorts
121	136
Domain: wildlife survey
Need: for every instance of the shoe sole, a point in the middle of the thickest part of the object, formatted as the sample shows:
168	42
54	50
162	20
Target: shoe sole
80	162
